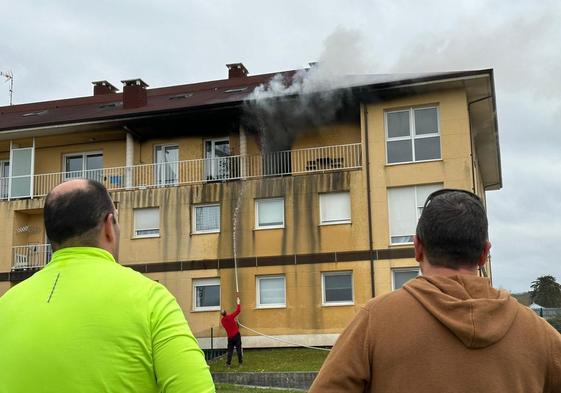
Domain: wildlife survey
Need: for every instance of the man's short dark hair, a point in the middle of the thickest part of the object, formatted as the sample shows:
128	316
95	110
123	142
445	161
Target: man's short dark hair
453	228
74	217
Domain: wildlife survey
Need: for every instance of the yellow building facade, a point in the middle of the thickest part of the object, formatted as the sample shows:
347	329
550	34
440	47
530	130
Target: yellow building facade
307	235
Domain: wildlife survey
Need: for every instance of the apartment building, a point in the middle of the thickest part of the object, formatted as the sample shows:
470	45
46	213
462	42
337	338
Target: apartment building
308	228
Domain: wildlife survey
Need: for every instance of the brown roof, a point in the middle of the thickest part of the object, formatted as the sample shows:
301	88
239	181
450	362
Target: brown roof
171	99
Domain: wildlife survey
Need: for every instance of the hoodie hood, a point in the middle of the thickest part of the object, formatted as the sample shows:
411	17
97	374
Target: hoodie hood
478	314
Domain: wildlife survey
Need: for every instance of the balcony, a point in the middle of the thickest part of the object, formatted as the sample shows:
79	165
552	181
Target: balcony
283	163
31	256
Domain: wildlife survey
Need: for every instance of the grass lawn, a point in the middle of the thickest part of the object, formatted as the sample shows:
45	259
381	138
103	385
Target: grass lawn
273	360
225	388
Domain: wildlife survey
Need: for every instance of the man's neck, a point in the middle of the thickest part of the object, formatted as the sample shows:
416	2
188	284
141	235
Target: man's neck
431	270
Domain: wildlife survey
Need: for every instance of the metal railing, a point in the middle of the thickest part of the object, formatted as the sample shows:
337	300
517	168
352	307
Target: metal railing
547	312
282	163
211	347
31	256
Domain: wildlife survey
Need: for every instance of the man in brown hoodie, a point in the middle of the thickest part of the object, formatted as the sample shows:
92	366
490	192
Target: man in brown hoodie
448	330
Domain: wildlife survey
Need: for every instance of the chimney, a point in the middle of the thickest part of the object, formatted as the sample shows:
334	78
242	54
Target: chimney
236	70
134	93
103	87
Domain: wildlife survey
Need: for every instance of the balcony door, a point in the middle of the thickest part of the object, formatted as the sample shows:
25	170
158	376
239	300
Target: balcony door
277	163
217	163
166	158
84	166
21	172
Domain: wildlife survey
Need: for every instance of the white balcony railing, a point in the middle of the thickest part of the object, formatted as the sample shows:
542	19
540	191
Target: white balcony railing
289	162
31	256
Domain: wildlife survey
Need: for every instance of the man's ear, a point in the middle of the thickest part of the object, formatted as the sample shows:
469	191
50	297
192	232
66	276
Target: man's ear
484	253
419	250
109	228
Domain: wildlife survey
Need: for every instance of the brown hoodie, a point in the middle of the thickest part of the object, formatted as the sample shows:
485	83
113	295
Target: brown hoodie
444	334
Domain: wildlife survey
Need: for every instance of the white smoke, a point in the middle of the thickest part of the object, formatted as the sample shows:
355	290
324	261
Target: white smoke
287	105
342	55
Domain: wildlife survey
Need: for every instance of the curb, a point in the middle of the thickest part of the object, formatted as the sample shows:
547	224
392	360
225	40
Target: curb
289	380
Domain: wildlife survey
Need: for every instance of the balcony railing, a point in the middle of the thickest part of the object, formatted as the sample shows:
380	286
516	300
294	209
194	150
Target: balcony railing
289	162
31	256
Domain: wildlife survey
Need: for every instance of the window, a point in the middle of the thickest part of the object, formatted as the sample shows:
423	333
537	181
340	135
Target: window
217	164
337	288
166	169
335	208
206	294
147	222
84	165
271	292
4	178
21	172
206	218
401	276
405	208
412	135
269	213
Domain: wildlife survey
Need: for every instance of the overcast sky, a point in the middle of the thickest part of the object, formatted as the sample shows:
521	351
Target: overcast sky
56	48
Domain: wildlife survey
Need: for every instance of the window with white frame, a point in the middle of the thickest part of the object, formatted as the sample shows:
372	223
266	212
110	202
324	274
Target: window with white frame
401	276
166	164
217	163
206	294
412	135
269	213
4	178
335	208
337	288
405	207
206	218
147	222
83	165
271	291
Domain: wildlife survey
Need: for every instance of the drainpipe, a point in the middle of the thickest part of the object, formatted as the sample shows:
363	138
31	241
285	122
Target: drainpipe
129	160
471	141
369	202
482	269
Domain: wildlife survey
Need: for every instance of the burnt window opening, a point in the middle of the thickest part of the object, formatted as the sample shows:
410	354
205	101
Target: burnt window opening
277	163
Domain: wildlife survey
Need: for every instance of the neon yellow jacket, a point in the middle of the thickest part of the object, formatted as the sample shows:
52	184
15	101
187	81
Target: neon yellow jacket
87	324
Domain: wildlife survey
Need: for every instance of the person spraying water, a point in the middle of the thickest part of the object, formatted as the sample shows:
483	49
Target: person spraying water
230	324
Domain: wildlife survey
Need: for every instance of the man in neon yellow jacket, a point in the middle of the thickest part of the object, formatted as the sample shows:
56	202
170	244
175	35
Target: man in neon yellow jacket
87	324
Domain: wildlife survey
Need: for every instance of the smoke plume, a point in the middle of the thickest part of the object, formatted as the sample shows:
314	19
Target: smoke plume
291	103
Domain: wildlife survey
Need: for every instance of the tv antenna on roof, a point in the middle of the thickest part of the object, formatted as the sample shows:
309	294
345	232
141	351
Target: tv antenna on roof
9	75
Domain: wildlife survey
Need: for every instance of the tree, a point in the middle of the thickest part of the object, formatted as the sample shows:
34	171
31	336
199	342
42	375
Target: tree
546	292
